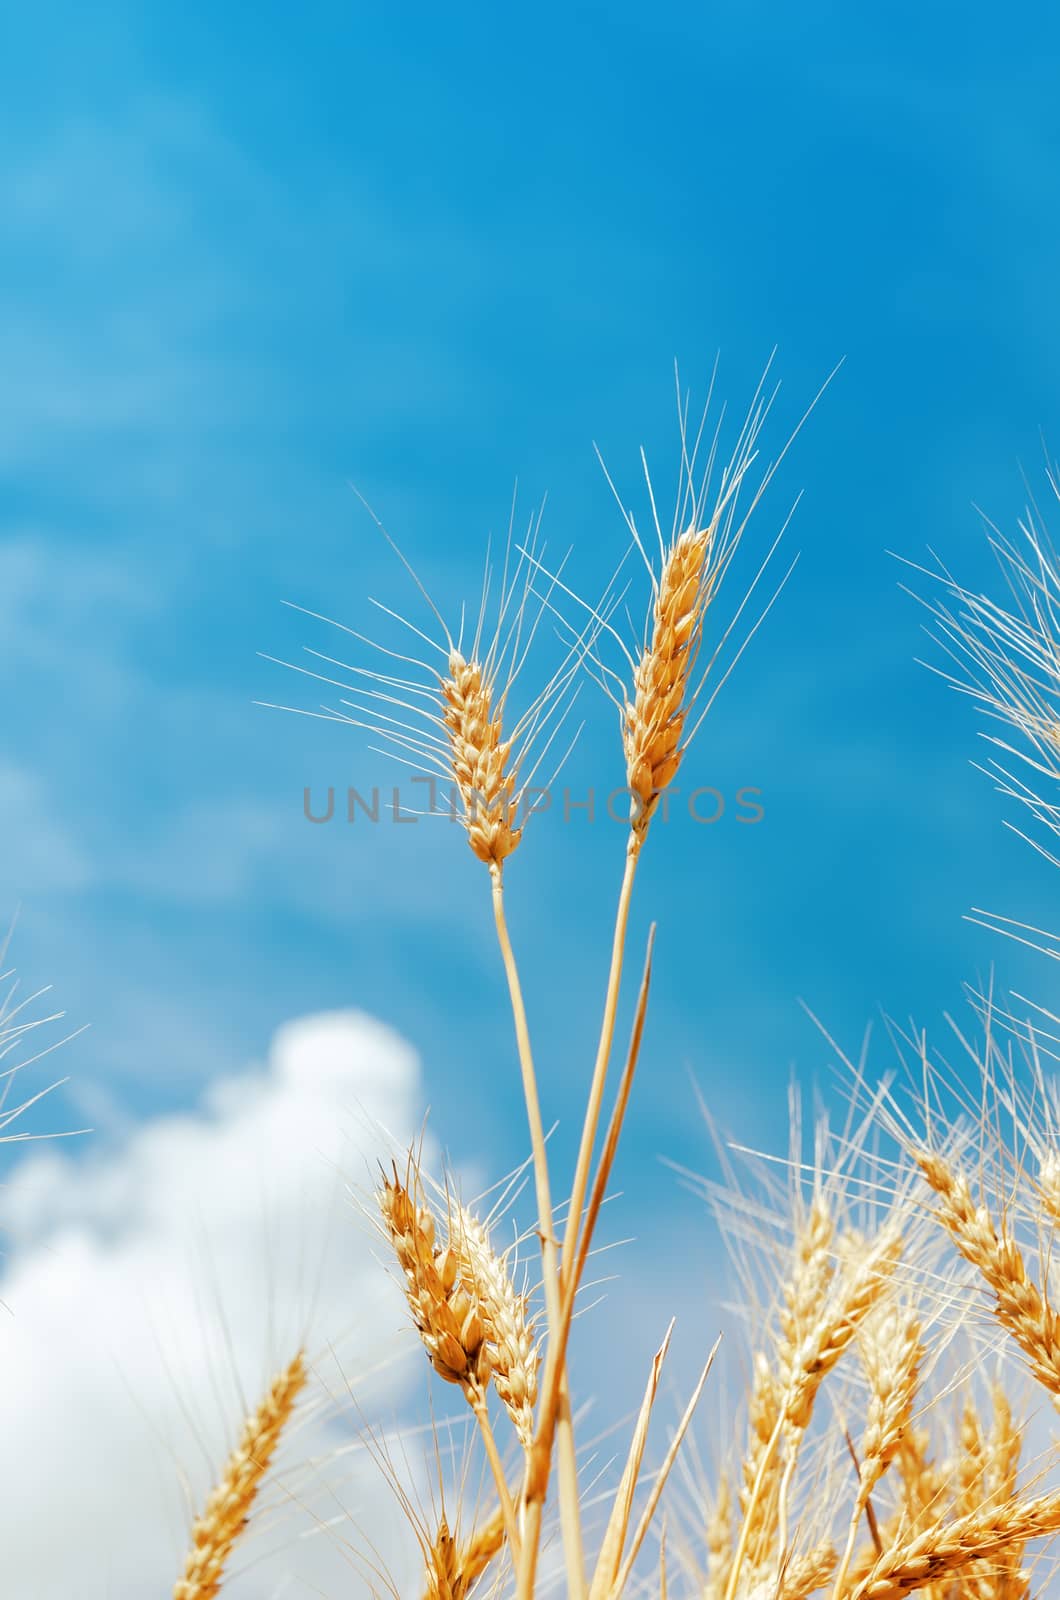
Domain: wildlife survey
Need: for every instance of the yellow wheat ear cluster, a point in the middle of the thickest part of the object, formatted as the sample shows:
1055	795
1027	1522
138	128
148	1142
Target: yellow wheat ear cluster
653	722
228	1507
480	758
444	1310
454	1569
505	1317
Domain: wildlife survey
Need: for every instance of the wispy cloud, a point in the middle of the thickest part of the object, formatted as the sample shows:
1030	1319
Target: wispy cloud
150	1291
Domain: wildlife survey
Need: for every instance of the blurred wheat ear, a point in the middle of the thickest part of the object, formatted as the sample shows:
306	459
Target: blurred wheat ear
226	1512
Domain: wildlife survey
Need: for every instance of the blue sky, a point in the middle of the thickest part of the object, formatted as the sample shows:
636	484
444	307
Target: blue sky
245	266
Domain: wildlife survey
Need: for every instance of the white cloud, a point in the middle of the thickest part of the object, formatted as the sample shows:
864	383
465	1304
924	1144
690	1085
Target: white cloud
147	1285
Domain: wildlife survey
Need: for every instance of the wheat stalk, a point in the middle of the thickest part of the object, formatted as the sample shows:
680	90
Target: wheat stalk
226	1512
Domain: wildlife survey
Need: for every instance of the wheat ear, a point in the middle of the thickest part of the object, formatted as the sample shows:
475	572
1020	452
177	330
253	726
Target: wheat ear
1019	1304
446	1312
1002	1578
480	758
802	1301
802	1304
509	1330
228	1508
840	1316
805	1573
891	1353
949	1548
444	1308
653	720
454	1569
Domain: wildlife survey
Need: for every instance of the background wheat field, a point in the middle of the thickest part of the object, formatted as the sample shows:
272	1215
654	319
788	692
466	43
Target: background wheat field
319	318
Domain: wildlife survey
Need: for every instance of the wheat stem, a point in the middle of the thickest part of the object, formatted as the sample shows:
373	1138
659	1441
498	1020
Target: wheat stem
603	1056
748	1517
555	1401
569	1512
482	1416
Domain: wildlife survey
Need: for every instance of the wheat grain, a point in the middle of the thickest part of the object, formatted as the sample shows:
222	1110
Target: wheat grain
228	1508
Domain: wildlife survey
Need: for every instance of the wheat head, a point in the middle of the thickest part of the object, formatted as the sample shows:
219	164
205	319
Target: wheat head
225	1516
654	719
480	759
508	1328
948	1548
444	1310
1019	1305
452	1570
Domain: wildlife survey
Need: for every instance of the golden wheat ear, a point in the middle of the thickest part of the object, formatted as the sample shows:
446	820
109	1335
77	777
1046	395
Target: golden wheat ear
225	1516
453	1569
444	1311
443	710
506	1320
660	694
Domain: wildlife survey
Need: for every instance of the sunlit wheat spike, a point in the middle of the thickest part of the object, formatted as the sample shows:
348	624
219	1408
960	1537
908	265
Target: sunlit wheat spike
508	1327
801	1304
480	757
452	1569
891	1352
1004	1448
228	1508
857	1289
805	1573
969	1466
1019	1305
444	1306
922	1484
660	696
654	719
948	1549
449	717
